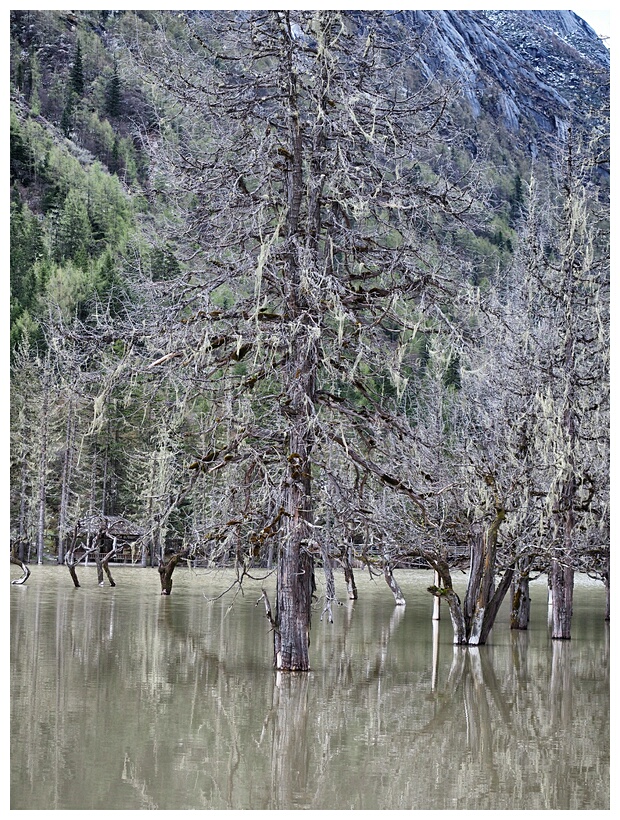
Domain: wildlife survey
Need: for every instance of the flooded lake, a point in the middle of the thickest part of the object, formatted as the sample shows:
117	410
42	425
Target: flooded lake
125	699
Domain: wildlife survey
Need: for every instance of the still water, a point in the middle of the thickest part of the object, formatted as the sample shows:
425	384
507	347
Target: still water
124	699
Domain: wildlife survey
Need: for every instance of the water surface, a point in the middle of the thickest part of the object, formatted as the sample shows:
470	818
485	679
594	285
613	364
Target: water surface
124	699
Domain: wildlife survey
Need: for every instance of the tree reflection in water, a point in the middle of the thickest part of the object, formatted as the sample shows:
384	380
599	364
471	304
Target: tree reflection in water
125	699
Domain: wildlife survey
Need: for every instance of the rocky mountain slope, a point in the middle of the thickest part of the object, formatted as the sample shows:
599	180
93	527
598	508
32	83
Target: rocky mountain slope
532	71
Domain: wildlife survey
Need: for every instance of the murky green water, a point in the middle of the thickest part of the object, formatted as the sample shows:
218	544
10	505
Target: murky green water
123	699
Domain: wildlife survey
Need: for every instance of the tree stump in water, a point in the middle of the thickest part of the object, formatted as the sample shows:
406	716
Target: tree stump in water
166	569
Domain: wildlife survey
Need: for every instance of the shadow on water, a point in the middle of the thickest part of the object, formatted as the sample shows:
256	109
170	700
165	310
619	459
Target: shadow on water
125	699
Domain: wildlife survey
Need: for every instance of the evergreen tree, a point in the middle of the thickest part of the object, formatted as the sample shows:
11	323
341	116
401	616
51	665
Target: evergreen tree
77	72
74	232
34	84
27	247
66	121
517	201
113	94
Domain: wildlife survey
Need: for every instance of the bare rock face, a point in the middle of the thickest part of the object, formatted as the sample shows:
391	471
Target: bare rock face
531	71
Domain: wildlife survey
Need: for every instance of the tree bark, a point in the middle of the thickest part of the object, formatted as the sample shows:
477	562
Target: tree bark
494	604
295	576
99	566
562	582
480	586
70	559
520	604
166	569
443	589
67	468
330	586
106	562
454	608
43	472
388	574
473	621
18	562
435	667
436	600
349	577
481	602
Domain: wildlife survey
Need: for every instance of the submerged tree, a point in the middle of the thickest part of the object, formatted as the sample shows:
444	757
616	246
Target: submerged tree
568	271
303	162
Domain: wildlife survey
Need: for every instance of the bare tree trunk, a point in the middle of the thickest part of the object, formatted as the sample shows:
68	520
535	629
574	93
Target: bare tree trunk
349	577
98	563
520	605
453	601
562	572
67	467
70	559
106	563
472	622
436	600
480	586
482	601
435	667
295	577
92	545
166	569
23	504
330	586
24	569
72	572
456	615
494	605
295	582
562	582
399	598
42	494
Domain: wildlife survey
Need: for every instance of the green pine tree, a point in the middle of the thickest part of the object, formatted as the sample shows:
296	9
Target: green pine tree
113	94
66	121
74	232
77	72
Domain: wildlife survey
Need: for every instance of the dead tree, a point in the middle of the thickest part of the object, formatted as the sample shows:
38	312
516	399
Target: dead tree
24	568
167	567
306	211
97	530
